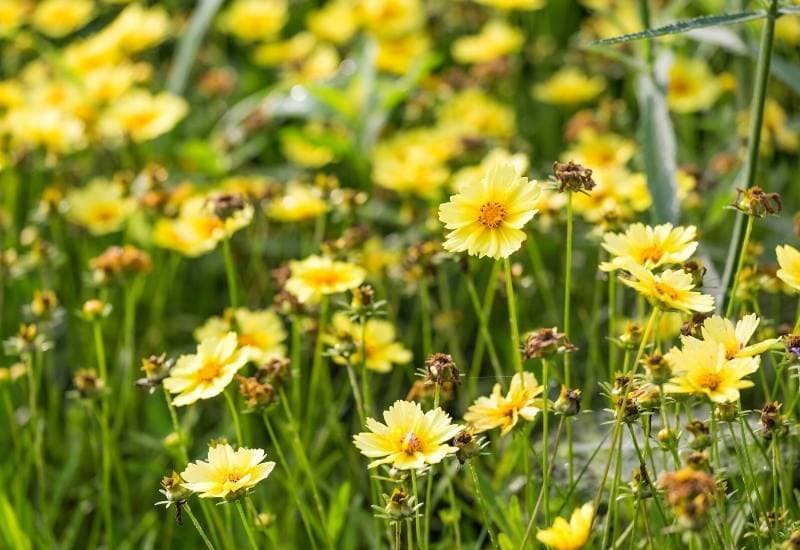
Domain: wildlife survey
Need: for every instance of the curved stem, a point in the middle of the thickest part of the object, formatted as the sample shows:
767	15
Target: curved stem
105	434
197	526
742	255
235	416
246	524
482	505
567	314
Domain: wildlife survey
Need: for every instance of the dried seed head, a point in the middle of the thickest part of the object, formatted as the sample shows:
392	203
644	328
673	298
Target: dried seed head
119	261
696	269
658	369
545	342
691	494
573	177
757	203
226	205
440	368
772	422
276	370
88	384
468	445
257	395
726	412
699	460
568	402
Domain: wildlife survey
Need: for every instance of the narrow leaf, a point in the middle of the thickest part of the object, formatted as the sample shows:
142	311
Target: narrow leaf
658	149
190	42
686	25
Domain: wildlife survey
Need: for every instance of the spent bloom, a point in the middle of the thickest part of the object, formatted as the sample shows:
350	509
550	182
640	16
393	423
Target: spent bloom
649	247
207	372
572	535
486	217
523	400
227	474
410	438
318	276
671	290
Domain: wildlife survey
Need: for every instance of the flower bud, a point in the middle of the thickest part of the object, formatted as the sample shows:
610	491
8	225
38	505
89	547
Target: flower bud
568	402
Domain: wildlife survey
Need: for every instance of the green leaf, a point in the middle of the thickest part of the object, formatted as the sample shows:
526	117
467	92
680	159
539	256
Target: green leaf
659	151
789	10
10	528
685	25
338	510
186	51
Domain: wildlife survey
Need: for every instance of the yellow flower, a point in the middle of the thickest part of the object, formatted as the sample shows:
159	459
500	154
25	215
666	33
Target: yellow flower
671	290
472	112
334	22
703	369
136	28
397	54
143	116
618	195
99	50
473	174
299	202
569	536
569	86
12	15
486	217
691	86
385	18
523	400
649	247
207	372
318	276
410	439
252	20
733	338
787	30
776	132
305	147
261	331
107	83
515	4
101	206
228	474
496	39
57	18
383	351
789	262
292	50
54	129
409	163
600	151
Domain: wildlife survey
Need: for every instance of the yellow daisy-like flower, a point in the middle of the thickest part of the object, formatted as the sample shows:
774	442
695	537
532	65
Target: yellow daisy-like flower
390	17
227	474
318	276
486	217
733	338
569	536
261	331
671	290
473	174
649	247
383	351
410	439
496	39
137	28
523	400
789	261
515	4
600	151
57	18
569	86
252	20
618	196
335	22
473	112
704	369
12	15
691	86
299	202
143	116
101	206
207	372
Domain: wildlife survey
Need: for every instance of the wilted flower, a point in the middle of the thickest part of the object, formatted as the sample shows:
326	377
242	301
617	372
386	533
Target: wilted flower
756	202
772	422
441	368
573	177
88	384
691	494
544	343
118	261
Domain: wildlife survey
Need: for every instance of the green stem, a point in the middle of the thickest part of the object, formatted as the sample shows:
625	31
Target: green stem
176	427
567	316
317	361
105	434
482	504
512	318
230	272
235	416
545	443
417	525
197	526
742	255
425	309
246	524
486	336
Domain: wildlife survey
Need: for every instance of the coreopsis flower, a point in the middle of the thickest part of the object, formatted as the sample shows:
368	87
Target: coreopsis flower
410	438
383	351
473	174
399	53
523	400
142	116
299	203
472	113
101	206
649	247
407	165
734	338
617	196
12	15
671	290
318	276
486	218
495	40
390	18
777	132
335	21
690	493
57	18
260	330
569	86
789	262
600	151
137	28
515	4
207	372
703	369
691	86
227	474
569	536
255	20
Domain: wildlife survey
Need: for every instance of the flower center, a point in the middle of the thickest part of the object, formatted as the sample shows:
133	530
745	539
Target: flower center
652	254
209	371
323	278
410	444
492	214
709	380
233	477
666	291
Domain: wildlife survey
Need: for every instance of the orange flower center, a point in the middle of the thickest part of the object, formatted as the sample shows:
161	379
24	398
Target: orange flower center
209	371
652	253
709	380
666	291
492	214
322	278
104	212
233	477
249	340
410	444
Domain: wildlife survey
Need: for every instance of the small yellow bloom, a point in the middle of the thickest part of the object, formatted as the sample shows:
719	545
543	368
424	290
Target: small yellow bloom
649	247
600	151
671	290
409	163
515	4
57	18
398	54
472	112
55	129
410	439
523	400
569	86
703	368
391	18
305	147
733	338
334	22
101	206
776	132
383	351
261	331
227	474
12	15
789	261
207	372
473	174
486	217
318	276
691	86
143	116
137	28
495	40
569	536
253	20
299	202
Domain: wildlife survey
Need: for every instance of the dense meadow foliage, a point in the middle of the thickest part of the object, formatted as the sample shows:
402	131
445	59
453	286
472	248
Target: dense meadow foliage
429	274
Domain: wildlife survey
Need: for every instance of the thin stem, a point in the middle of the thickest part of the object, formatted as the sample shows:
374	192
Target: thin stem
567	316
512	317
545	442
176	427
739	265
318	360
201	532
366	399
482	504
235	416
246	524
230	272
417	525
486	336
397	531
105	434
425	316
